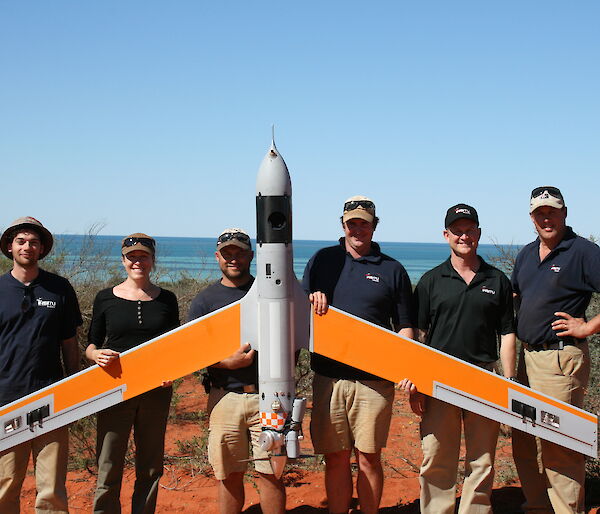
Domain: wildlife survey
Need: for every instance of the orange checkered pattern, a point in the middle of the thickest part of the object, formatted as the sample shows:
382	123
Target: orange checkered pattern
272	420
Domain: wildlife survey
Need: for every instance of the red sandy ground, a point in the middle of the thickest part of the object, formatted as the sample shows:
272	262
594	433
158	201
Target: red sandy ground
187	489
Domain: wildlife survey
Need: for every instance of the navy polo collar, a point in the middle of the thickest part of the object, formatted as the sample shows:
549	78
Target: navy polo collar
373	256
565	243
17	283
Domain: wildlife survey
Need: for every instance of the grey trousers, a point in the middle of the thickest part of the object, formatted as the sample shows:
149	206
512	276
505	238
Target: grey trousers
147	415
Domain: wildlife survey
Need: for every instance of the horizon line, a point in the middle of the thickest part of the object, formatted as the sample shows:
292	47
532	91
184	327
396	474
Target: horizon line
326	241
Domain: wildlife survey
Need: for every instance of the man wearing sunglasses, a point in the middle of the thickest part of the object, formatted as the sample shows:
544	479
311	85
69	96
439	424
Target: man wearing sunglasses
39	316
351	408
553	281
233	404
464	308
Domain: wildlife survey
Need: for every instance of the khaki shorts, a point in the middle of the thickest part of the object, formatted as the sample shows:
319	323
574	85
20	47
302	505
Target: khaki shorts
234	424
350	414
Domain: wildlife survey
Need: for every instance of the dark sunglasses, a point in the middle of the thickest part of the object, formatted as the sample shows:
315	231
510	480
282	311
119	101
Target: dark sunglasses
554	191
132	241
27	301
355	204
228	236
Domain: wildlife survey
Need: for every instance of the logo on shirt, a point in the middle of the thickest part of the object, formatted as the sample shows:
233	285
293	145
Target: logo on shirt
462	210
372	278
487	290
555	268
49	304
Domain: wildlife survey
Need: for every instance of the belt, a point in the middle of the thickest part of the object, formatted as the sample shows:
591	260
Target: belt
556	345
250	388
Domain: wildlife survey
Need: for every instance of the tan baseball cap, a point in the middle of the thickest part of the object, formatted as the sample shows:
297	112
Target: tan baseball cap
546	196
235	237
24	223
359	207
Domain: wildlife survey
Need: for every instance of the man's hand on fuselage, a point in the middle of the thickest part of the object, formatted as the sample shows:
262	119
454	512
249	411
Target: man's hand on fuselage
241	358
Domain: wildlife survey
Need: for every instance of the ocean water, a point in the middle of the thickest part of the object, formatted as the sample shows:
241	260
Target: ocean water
195	256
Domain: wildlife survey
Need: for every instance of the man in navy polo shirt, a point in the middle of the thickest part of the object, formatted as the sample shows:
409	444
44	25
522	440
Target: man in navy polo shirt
352	409
553	281
464	308
39	316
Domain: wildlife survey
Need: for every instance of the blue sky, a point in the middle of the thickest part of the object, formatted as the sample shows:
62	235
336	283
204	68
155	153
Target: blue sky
154	116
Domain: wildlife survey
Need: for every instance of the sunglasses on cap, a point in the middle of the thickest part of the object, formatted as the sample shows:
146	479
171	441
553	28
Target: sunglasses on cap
228	236
145	241
355	204
554	191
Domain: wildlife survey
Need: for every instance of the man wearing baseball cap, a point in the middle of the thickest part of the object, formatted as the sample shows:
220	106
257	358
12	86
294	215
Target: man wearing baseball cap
233	404
351	408
464	308
39	316
553	281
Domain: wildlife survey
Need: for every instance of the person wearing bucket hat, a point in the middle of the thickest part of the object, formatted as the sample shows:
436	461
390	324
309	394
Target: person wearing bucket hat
553	280
232	384
39	316
27	222
124	317
464	308
352	409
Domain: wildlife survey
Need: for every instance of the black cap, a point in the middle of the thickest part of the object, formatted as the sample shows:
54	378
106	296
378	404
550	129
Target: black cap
458	211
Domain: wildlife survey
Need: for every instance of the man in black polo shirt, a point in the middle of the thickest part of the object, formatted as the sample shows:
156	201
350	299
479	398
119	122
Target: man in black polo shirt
464	307
39	316
352	409
233	404
553	280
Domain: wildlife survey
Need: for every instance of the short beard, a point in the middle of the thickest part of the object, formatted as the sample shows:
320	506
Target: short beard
236	275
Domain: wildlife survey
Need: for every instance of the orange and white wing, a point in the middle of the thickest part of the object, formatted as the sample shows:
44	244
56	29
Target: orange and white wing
358	343
182	351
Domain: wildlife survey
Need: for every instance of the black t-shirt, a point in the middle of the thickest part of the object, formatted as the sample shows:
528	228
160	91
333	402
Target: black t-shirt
120	324
465	320
374	287
209	300
34	320
563	282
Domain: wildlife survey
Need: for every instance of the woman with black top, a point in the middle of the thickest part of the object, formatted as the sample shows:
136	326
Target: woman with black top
125	316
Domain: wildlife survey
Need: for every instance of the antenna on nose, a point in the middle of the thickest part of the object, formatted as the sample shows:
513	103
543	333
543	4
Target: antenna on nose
273	147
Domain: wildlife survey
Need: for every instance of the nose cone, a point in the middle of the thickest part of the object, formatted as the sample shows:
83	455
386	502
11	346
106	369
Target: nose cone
273	176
